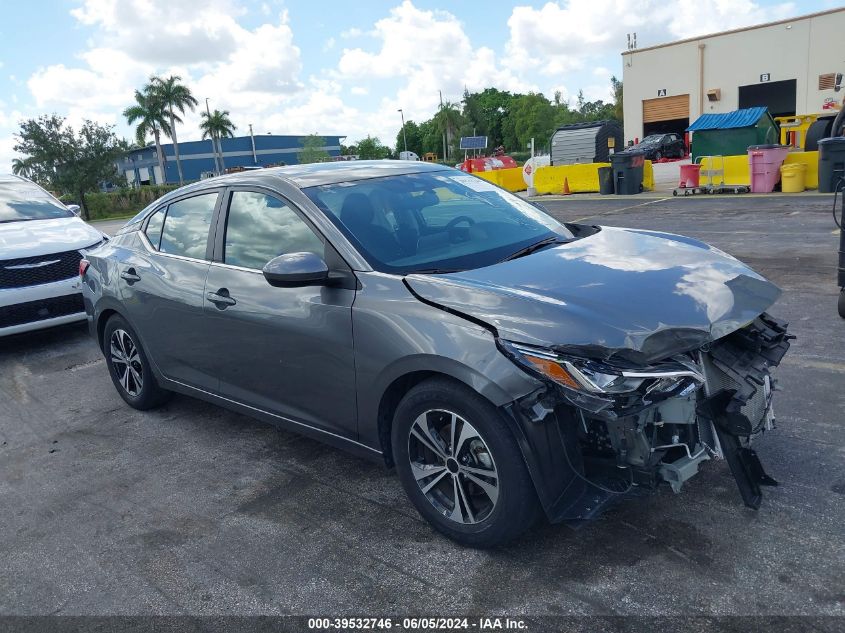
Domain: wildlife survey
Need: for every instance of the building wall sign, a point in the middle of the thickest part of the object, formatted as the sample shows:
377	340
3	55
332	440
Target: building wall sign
765	77
661	92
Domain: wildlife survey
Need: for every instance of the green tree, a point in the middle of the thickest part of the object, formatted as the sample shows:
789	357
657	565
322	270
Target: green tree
432	139
151	118
618	112
174	95
66	161
312	149
487	111
371	148
449	120
216	126
22	167
414	137
530	116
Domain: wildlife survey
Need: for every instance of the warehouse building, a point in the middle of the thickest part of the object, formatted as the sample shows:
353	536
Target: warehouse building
791	67
140	166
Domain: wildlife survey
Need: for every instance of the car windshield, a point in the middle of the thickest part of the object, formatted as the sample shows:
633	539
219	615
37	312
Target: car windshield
21	200
654	138
439	221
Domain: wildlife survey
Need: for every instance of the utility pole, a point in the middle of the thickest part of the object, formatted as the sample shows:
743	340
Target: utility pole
213	141
252	138
404	138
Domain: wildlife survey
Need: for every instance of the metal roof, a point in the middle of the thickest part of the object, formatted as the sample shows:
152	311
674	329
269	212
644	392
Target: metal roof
729	120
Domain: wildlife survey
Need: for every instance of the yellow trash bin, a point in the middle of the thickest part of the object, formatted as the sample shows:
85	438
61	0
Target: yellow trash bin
793	177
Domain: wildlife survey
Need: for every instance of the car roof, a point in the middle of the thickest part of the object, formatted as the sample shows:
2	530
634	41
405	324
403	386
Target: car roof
316	174
14	179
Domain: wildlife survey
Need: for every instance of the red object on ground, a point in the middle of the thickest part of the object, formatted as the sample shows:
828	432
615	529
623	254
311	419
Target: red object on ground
487	163
690	176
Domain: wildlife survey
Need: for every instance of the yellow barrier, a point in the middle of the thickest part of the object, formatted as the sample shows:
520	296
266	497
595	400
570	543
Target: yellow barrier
798	124
737	171
510	179
582	178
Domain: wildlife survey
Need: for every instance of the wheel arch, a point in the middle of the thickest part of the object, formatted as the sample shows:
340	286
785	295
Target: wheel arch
412	372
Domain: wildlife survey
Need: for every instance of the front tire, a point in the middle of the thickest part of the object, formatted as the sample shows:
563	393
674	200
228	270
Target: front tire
841	304
461	466
129	367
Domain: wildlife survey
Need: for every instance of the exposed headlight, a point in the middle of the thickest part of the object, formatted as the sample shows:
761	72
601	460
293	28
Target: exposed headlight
600	381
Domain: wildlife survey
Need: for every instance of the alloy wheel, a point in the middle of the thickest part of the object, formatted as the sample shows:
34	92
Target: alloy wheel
126	362
453	466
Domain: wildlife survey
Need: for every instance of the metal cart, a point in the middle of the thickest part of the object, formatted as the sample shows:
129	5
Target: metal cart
716	170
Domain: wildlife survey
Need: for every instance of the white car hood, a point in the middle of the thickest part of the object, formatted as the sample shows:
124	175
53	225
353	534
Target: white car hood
42	237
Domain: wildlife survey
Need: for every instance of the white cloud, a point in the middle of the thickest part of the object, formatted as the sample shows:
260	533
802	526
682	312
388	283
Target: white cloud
565	36
250	72
431	53
350	33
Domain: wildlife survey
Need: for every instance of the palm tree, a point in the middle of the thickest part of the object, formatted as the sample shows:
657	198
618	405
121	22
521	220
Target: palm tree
217	126
174	95
448	121
150	114
23	167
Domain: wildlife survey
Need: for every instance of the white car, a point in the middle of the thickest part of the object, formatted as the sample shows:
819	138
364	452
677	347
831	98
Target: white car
41	244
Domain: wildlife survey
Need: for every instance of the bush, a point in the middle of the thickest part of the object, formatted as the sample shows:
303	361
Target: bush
126	201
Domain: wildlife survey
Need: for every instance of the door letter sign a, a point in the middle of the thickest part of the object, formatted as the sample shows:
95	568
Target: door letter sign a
661	92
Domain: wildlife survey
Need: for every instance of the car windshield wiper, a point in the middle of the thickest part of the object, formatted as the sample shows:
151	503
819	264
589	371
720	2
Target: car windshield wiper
434	271
522	252
17	220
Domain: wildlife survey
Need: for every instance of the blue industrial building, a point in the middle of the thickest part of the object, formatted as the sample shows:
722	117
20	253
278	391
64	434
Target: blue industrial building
140	166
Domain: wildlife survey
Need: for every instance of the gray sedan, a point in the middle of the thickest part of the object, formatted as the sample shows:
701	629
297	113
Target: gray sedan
509	366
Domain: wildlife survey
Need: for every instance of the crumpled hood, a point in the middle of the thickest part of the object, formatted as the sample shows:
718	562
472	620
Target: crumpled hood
43	237
624	293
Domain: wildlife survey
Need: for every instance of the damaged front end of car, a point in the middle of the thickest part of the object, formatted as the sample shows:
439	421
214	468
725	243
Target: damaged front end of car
601	429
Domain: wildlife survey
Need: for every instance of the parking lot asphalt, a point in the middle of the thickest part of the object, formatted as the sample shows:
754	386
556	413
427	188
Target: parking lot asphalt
192	509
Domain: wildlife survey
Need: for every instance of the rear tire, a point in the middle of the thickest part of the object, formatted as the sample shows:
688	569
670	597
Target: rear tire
841	304
460	465
129	367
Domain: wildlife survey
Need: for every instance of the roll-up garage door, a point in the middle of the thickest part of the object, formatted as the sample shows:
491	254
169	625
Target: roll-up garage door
666	108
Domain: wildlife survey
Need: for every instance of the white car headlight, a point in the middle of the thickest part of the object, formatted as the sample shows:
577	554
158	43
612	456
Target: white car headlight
596	378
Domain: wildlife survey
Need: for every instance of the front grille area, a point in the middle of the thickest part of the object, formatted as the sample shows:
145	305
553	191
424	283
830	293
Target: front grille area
756	406
40	310
43	269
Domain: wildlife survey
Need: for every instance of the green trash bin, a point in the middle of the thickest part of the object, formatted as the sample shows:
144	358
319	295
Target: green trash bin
628	172
832	164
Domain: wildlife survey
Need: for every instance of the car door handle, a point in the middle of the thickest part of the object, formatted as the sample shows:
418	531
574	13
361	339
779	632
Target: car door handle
220	300
130	276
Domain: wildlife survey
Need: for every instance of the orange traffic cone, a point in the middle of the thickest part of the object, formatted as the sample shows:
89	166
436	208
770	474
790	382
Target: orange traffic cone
566	190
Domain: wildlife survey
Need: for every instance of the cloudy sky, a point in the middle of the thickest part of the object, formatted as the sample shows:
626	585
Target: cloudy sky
329	66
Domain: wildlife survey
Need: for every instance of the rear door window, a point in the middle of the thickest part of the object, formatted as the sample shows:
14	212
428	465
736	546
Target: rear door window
186	226
154	226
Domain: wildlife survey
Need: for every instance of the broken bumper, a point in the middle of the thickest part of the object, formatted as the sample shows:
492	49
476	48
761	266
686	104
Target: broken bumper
584	456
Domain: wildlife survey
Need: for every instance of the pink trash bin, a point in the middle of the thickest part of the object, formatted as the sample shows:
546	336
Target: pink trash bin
764	163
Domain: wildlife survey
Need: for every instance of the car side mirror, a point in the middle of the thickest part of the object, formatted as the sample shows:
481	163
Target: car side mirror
296	270
74	208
